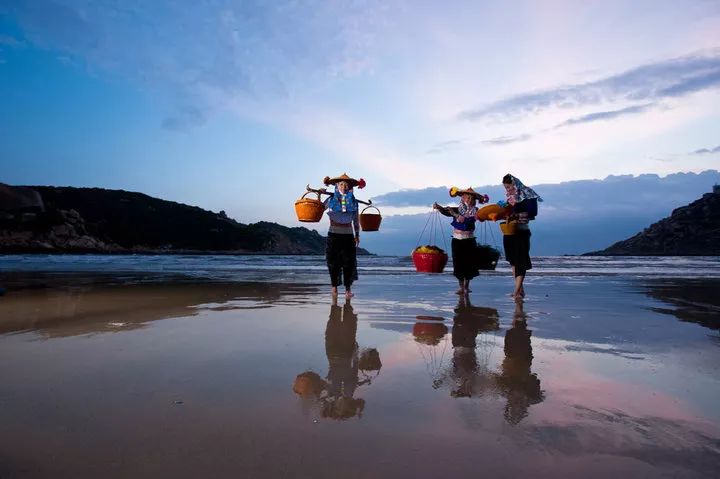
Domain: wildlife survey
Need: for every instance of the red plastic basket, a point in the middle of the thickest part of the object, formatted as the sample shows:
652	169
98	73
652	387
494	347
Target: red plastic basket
370	221
430	262
429	333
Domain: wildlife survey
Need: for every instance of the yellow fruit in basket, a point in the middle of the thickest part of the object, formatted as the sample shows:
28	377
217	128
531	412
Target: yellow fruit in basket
428	249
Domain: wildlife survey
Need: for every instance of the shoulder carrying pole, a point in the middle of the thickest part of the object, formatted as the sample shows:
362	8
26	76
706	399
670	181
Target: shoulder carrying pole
321	192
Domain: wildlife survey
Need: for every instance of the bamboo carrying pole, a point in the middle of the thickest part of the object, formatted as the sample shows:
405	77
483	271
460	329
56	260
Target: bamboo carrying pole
319	192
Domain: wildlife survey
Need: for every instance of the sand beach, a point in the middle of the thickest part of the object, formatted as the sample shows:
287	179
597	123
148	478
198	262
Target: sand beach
189	372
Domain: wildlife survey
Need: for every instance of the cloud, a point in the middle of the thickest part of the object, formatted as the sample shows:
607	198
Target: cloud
589	118
185	118
706	151
504	140
652	82
251	48
607	115
8	41
444	146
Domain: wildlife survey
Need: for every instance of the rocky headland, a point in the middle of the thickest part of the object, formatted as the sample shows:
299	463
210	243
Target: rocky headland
692	230
46	219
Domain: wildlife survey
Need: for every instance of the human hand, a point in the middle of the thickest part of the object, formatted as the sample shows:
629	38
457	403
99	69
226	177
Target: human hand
436	206
357	240
461	219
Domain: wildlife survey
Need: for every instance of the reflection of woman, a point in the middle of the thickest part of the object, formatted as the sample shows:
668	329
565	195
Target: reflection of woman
341	349
340	251
468	321
344	366
520	387
517	246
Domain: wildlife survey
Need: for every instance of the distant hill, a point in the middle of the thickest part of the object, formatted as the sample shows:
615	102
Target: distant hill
692	230
95	220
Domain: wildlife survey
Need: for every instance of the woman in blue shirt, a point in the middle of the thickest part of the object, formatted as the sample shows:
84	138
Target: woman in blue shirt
464	246
344	233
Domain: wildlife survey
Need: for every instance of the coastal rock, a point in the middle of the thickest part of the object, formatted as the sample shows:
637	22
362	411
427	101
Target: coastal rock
20	199
692	230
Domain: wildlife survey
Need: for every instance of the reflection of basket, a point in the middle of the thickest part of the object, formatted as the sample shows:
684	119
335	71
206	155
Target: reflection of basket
508	228
309	211
369	360
429	333
430	262
370	221
308	384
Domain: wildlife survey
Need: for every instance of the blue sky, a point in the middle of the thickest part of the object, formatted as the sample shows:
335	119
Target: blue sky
237	105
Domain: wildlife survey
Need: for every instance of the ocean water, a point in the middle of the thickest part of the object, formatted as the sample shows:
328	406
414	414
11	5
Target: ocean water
313	269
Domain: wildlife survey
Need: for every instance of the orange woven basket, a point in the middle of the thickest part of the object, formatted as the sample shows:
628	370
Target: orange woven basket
508	228
309	211
370	221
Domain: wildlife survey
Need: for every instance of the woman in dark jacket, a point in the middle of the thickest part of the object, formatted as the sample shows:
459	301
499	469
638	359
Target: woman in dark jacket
517	246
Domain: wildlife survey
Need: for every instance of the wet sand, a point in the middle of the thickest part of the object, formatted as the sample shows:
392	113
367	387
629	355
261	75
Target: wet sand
165	377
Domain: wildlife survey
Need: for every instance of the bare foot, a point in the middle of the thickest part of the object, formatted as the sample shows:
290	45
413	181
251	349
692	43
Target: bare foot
349	294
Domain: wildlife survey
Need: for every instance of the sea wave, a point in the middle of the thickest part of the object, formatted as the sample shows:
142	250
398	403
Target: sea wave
243	266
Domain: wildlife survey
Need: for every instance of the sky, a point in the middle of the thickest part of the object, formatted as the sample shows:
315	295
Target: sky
237	105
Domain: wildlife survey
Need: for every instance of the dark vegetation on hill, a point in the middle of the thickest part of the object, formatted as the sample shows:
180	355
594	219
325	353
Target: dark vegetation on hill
96	220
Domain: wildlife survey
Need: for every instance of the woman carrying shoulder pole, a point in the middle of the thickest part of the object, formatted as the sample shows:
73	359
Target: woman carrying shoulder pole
344	233
464	246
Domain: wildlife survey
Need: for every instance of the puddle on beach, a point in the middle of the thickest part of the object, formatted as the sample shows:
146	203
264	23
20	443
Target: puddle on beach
185	379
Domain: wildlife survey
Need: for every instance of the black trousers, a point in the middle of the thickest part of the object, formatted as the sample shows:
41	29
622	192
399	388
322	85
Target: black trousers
517	251
464	255
340	254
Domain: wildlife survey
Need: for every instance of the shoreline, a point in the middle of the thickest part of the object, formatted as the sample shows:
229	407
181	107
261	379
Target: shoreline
83	252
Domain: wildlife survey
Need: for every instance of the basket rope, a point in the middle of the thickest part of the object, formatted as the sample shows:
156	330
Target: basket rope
486	228
435	223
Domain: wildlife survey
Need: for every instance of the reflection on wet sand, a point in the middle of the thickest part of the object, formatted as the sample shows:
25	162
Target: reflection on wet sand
472	376
695	301
210	395
348	367
71	311
517	384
